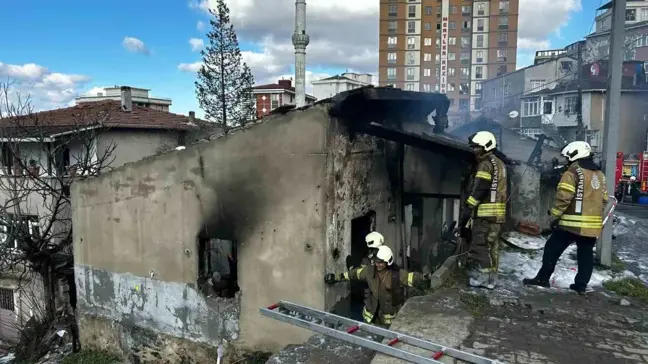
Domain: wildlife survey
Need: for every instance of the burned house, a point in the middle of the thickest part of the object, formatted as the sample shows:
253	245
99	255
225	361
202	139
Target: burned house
176	253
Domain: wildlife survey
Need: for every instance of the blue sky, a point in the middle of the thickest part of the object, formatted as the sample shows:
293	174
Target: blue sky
85	38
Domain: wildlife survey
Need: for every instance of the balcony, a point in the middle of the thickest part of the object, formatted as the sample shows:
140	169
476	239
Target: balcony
411	78
391	61
465	61
503	27
501	59
465	30
411	46
481	13
391	45
504	11
502	43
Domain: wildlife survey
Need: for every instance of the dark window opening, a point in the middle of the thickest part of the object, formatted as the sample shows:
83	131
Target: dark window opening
7	299
217	267
20	231
360	227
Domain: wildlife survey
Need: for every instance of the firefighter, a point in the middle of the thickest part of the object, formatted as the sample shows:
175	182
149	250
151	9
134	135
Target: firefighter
576	216
386	280
374	241
486	206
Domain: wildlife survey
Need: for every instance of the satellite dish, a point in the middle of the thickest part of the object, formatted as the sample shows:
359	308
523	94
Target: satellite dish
513	114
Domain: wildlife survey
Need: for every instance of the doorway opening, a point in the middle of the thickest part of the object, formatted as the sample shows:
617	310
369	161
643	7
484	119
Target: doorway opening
360	227
217	267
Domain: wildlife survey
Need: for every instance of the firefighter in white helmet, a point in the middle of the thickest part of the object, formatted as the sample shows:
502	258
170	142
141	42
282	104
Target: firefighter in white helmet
486	206
576	216
374	241
386	281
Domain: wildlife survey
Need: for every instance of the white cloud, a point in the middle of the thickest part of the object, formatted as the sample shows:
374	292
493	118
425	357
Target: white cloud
541	18
190	67
135	45
201	26
197	44
45	89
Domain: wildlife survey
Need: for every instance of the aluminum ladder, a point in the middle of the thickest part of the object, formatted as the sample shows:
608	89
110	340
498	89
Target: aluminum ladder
344	329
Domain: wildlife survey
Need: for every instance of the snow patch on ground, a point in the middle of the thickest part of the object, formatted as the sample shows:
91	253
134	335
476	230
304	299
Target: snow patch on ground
515	266
524	241
7	358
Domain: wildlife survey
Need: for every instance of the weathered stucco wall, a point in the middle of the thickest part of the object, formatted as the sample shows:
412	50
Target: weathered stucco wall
133	145
136	234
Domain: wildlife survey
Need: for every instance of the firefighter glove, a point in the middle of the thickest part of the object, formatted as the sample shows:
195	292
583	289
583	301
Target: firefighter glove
330	278
466	213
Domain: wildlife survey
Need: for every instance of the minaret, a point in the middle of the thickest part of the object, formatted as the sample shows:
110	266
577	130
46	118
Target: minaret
300	40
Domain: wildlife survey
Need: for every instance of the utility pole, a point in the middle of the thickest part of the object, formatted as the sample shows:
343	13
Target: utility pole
611	124
579	117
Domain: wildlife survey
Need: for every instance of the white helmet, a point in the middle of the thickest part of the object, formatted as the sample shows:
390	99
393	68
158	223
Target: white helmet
576	150
484	139
385	254
374	239
633	178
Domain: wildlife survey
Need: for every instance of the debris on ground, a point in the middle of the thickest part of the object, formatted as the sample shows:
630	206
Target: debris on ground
322	349
529	228
523	241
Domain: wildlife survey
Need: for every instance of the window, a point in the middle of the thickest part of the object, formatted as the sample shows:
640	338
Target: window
391	57
502	70
452	40
465	10
644	14
391	73
478	87
465	42
411	11
452	56
480	56
501	55
480	40
537	85
411	43
428	26
464	104
479	72
454	9
437	57
465	56
503	22
409	87
438	11
547	106
427	42
274	101
451	87
427	57
427	72
428	10
427	87
452	71
507	89
465	72
631	15
7	299
480	25
481	9
530	107
411	26
411	74
438	26
504	7
438	43
436	87
465	26
503	38
391	42
437	72
19	230
216	261
452	25
393	10
571	105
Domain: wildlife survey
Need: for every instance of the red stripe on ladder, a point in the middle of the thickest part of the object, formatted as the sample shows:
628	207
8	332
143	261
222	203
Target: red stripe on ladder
353	329
393	341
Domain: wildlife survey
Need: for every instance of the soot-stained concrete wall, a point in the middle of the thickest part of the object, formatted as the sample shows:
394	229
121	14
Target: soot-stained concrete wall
530	199
135	235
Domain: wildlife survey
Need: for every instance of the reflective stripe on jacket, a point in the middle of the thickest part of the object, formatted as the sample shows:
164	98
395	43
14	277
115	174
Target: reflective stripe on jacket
489	189
580	201
383	296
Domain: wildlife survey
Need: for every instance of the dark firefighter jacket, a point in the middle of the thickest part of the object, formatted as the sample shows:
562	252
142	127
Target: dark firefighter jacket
488	193
385	290
581	199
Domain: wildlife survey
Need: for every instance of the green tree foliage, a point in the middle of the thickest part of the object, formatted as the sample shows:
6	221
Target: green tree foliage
224	86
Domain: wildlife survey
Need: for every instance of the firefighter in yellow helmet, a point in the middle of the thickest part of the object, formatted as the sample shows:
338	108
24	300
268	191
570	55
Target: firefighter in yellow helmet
486	206
576	216
386	281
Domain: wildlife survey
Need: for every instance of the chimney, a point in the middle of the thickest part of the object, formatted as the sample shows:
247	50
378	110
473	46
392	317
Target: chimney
126	99
285	83
192	116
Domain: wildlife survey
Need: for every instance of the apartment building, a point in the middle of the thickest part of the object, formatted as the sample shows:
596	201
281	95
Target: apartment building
447	46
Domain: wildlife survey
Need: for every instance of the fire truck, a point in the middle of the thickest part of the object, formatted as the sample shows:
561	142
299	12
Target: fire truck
632	165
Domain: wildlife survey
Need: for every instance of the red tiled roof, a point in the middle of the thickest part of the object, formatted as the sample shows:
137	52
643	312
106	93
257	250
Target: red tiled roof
99	114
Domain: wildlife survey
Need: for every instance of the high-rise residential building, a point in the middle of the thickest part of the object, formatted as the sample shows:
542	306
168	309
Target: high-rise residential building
448	46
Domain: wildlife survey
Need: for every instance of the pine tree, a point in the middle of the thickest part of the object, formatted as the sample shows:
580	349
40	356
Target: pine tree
224	86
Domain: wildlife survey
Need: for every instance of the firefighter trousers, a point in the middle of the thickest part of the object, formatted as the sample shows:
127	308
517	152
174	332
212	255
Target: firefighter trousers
556	245
484	244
